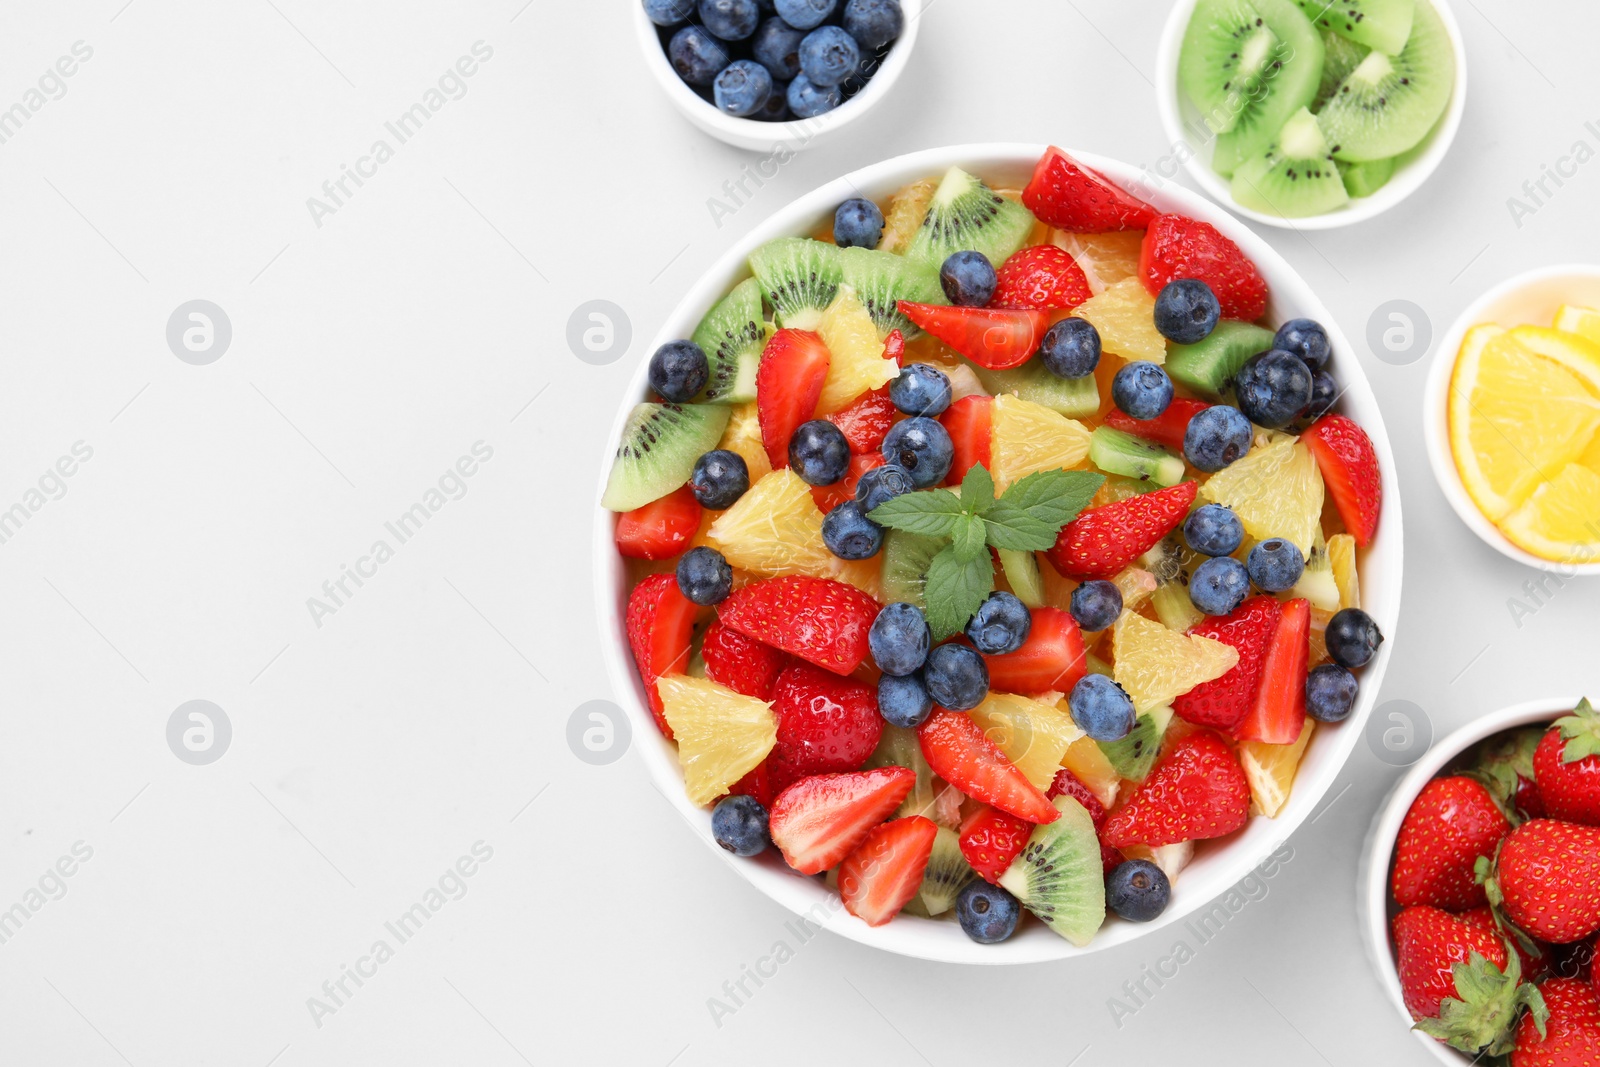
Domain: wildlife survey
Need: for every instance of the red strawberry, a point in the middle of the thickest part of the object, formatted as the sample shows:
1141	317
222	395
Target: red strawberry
829	497
1050	659
661	529
1571	1034
1506	766
788	385
969	422
1349	466
1533	967
1445	961
885	871
1197	791
1180	247
1070	785
740	663
865	423
1547	880
1279	712
959	753
894	347
758	784
990	839
660	626
1070	196
1224	702
818	821
1166	429
1567	767
825	723
1452	822
818	619
1042	278
991	338
1102	541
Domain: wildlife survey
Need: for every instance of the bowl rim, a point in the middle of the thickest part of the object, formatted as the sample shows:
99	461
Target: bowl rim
1407	179
1216	868
1372	893
1436	416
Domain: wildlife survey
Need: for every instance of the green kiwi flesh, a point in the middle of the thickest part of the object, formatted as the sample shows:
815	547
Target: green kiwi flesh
1022	574
905	565
1208	367
946	875
732	336
659	448
965	215
1364	179
1134	755
1059	875
1076	398
1384	25
1340	56
1388	104
1295	177
1116	452
1287	84
799	277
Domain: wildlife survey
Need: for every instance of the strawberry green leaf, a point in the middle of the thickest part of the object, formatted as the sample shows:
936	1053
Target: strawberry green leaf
1483	1014
977	489
967	538
1054	497
955	589
932	513
1581	731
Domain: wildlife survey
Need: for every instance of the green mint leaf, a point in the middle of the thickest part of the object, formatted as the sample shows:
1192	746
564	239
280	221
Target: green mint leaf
932	513
1054	496
977	489
967	538
1008	526
955	590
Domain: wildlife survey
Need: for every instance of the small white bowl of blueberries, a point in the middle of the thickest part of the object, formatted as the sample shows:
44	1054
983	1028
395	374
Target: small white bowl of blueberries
759	74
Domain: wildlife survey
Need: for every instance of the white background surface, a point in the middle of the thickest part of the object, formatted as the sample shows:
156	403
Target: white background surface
368	354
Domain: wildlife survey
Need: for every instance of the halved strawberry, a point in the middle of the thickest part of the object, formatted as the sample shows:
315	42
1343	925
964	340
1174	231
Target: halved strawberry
1197	791
894	347
1279	712
741	663
865	423
829	497
1224	702
885	871
660	627
818	821
1050	659
818	619
1070	196
661	529
1067	784
969	423
1041	278
993	338
958	752
1102	541
1176	246
1166	429
990	839
1349	466
788	385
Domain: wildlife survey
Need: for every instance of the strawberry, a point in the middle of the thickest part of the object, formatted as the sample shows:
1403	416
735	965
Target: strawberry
758	784
660	626
1533	966
661	529
818	821
1279	712
1224	702
1570	1036
788	385
1197	791
1102	541
992	338
894	347
1506	767
1042	278
1176	246
1070	785
740	663
818	619
1070	196
1458	981
865	423
1452	822
1567	767
825	723
885	871
990	839
1050	659
1546	880
829	497
1349	466
959	753
968	421
1166	429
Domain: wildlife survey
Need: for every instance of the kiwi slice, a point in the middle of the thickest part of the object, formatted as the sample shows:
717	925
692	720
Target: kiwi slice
946	875
899	747
1364	179
1076	398
1059	875
905	565
800	278
659	448
1295	177
966	215
1208	367
732	336
1273	35
1389	103
1171	599
1316	583
1134	755
1022	575
1227	56
1384	25
882	279
1340	56
1121	453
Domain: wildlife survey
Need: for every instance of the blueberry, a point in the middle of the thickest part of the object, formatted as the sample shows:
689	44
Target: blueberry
874	23
882	484
1324	394
899	640
819	453
776	109
739	824
1307	339
1187	311
921	389
1213	530
1137	890
968	279
1352	638
1000	624
863	73
857	224
1096	605
828	56
805	14
1101	708
1216	437
987	913
668	12
742	88
679	370
807	101
1141	390
1330	693
732	20
1219	585
720	478
776	46
904	701
704	576
1071	348
922	446
1275	565
849	534
697	56
956	677
1273	388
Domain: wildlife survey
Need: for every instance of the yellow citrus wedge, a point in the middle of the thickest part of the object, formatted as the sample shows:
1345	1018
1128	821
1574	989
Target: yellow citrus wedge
743	436
1561	520
1276	491
1033	735
1124	315
1270	770
1106	258
1578	354
1591	455
1026	437
1585	322
1156	665
1091	767
774	529
1342	554
1136	585
722	736
906	211
857	365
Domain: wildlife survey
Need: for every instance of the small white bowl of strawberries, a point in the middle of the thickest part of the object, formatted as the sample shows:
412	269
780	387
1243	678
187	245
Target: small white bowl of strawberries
1481	889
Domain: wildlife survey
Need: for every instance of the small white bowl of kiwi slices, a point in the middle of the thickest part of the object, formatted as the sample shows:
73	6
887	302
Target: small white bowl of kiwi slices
1310	114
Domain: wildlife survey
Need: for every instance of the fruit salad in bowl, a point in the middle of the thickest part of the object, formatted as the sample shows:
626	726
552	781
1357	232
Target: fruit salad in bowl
1001	562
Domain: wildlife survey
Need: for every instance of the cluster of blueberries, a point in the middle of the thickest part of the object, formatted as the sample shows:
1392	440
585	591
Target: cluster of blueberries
776	60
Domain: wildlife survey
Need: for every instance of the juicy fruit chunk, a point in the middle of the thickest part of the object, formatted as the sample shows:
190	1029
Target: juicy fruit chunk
660	445
1102	541
945	876
721	735
1069	196
1135	754
1579	355
1124	316
1058	876
1116	452
884	872
1198	791
660	628
1032	735
743	436
1270	770
1227	53
743	665
1388	104
1166	429
1349	466
991	839
1050	660
1364	179
1088	764
661	529
1106	258
1289	81
993	338
1561	520
1382	24
1043	278
1342	556
966	215
1276	491
732	336
1208	367
1156	665
1224	702
1076	398
1279	711
818	821
774	529
822	621
825	723
1583	321
1296	175
959	753
1176	246
789	383
1028	437
858	364
799	277
969	423
907	209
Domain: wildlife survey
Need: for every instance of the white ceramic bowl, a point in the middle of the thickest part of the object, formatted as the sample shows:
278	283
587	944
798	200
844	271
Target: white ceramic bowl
759	136
1372	893
1179	116
1527	299
1216	866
